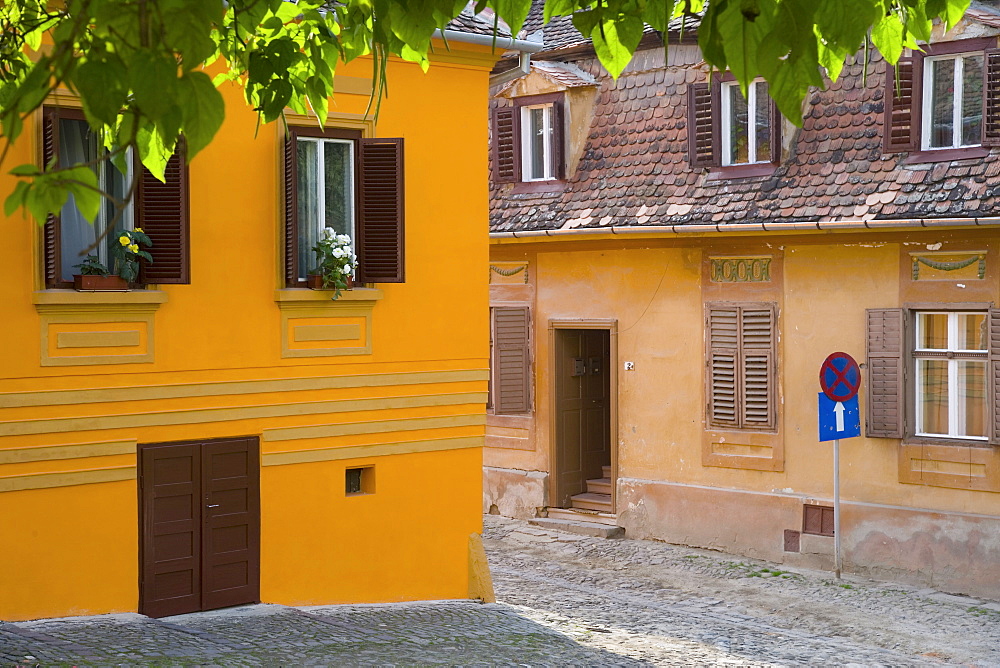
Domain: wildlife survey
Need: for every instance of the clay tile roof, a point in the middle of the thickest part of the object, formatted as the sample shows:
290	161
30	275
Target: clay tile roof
567	74
477	24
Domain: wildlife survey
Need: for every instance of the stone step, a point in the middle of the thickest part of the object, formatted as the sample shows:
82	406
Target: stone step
599	486
589	501
580	515
578	527
606	471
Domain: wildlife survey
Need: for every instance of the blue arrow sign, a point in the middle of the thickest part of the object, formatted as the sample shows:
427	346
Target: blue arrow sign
838	419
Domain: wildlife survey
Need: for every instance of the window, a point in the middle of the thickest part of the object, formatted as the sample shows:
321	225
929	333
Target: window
953	101
950	366
730	131
510	361
746	124
741	365
335	179
929	374
817	520
944	99
160	209
536	143
528	140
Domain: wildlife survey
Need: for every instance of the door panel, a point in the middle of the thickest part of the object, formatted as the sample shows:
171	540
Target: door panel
170	545
582	386
231	525
200	510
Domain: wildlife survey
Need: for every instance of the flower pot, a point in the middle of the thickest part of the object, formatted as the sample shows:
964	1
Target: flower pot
315	282
97	282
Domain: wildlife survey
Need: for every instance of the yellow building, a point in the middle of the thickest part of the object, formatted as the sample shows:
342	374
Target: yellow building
670	265
223	434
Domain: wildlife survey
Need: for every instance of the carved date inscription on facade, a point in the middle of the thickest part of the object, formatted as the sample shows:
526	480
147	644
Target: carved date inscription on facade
741	269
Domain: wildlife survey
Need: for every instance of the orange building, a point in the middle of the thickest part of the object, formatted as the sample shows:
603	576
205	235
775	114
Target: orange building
671	262
221	434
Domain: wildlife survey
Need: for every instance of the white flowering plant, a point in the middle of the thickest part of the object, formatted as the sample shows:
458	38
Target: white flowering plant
335	260
126	253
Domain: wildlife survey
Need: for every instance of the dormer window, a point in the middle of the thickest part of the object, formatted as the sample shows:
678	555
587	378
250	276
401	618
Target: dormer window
746	124
528	140
953	101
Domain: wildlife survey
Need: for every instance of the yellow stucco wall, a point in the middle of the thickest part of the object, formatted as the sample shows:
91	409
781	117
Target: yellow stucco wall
655	289
70	523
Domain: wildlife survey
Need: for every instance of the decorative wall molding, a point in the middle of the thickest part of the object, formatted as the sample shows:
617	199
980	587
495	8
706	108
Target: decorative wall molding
508	273
950	262
748	269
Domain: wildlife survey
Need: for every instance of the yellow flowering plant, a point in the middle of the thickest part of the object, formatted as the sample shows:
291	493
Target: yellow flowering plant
126	252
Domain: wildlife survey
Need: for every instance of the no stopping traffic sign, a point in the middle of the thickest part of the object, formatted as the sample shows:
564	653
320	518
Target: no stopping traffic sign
840	377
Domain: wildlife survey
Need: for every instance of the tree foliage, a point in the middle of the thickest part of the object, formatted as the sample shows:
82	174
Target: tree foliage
139	66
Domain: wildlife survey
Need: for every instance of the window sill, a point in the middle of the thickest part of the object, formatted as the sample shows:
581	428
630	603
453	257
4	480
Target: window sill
950	442
551	186
305	295
733	172
44	298
946	155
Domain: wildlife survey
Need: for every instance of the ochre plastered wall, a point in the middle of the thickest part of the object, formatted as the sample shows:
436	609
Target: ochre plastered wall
655	289
70	523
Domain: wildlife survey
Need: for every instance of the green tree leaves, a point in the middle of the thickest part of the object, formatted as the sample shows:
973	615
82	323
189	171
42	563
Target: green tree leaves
139	68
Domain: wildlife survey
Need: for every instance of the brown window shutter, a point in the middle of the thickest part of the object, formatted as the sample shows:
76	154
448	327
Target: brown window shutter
162	213
723	324
884	417
703	126
512	362
291	212
380	208
991	98
901	128
757	338
993	390
51	251
775	134
506	145
559	139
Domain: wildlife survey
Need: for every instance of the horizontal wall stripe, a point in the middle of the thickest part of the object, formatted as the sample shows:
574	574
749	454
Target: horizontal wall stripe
66	478
204	415
372	427
221	388
375	450
72	451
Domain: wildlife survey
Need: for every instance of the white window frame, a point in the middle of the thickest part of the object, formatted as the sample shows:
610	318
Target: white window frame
726	124
956	107
956	410
320	218
526	145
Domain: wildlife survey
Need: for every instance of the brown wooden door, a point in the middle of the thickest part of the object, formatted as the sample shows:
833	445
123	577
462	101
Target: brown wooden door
200	526
583	409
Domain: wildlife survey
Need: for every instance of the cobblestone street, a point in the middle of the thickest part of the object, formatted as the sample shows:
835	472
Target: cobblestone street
562	600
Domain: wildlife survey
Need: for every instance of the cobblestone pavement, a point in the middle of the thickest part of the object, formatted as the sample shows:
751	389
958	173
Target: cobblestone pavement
562	600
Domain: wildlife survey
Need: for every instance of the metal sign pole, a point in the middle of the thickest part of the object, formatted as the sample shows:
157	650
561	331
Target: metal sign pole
836	506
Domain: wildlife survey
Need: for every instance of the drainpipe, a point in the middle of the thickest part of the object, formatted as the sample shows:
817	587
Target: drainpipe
523	46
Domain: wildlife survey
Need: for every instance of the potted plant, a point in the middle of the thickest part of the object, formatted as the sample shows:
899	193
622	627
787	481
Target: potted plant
335	263
95	276
126	254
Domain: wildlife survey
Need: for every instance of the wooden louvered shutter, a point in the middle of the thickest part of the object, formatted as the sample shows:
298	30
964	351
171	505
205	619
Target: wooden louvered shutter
511	360
775	134
291	211
380	211
994	375
723	364
162	213
901	128
757	335
559	140
884	415
506	145
991	98
51	251
703	126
